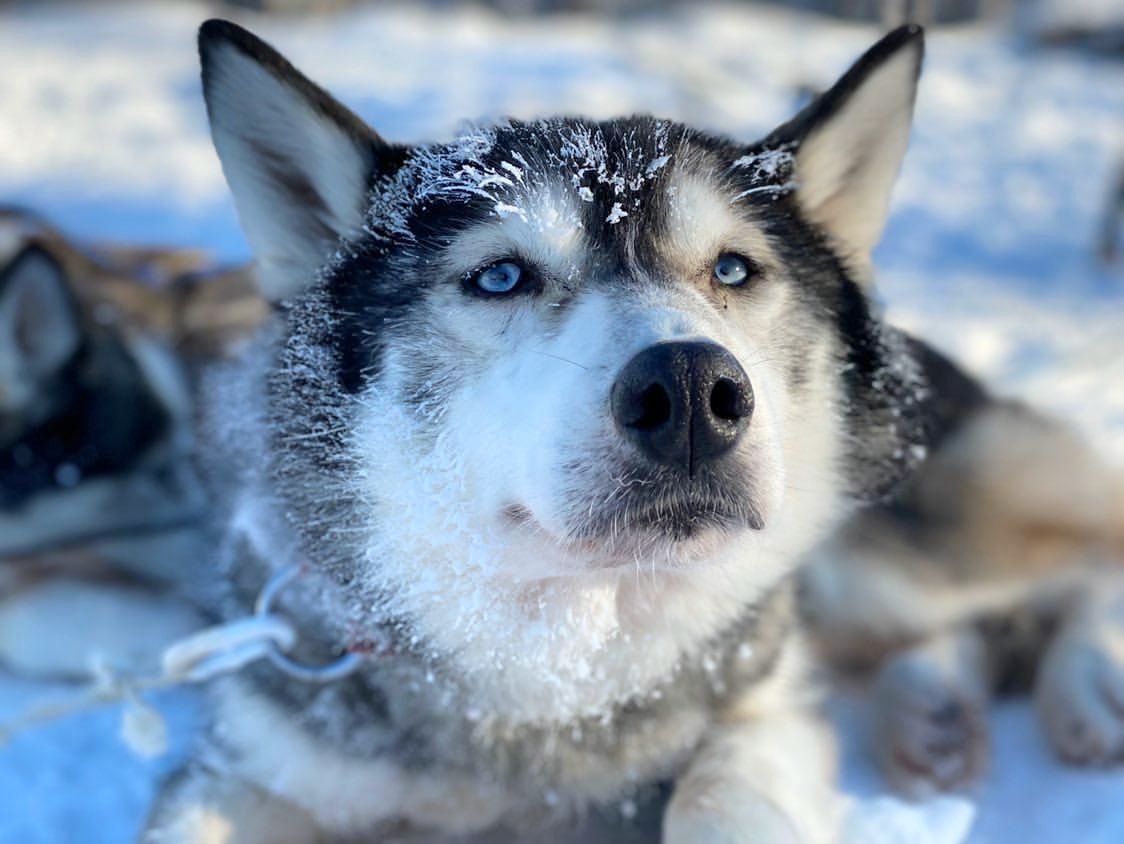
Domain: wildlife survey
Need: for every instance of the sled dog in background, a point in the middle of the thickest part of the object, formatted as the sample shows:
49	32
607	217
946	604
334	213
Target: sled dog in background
998	567
99	507
97	346
548	417
91	409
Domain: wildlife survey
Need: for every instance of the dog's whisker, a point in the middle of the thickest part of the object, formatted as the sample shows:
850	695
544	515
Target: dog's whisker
562	359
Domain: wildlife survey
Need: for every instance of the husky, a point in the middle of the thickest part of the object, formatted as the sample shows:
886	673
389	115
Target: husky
97	346
997	568
80	410
546	417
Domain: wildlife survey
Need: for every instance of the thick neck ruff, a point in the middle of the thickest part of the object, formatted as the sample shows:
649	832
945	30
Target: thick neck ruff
404	702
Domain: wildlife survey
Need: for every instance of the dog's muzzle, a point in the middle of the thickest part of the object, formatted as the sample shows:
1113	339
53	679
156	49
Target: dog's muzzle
683	404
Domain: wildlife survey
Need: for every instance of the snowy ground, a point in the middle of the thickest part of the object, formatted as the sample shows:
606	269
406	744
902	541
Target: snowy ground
990	253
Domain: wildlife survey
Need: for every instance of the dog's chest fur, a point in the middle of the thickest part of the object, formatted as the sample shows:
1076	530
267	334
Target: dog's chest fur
419	712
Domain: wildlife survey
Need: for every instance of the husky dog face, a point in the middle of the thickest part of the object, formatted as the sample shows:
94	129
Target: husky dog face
593	378
585	324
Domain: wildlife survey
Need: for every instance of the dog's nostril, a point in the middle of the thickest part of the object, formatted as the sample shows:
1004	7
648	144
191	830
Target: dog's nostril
653	408
728	400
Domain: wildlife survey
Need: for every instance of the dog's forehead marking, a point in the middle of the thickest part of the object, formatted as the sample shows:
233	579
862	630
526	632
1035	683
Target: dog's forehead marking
440	172
546	227
702	221
625	164
511	168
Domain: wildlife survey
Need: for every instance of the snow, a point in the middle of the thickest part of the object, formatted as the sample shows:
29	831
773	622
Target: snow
75	780
616	214
884	820
990	253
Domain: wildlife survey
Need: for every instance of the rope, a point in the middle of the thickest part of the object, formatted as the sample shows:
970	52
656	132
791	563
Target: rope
201	656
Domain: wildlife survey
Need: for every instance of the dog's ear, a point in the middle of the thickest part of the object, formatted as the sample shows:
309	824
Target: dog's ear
39	325
300	164
848	144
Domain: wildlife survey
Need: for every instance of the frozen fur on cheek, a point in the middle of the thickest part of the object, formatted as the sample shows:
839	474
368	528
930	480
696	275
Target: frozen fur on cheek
526	442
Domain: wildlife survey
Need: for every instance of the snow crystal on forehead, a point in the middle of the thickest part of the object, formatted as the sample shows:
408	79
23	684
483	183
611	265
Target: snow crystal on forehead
771	171
472	168
585	151
616	214
442	172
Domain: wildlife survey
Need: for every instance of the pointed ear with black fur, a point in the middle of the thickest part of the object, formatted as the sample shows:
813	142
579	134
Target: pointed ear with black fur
300	164
39	323
849	143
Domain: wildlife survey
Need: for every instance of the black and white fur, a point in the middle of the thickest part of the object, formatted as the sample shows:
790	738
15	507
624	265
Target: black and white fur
572	624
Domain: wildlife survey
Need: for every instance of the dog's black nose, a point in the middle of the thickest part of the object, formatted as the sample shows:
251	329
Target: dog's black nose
683	403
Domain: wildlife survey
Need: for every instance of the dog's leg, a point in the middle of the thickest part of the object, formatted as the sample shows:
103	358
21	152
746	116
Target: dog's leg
1079	691
763	774
198	806
930	710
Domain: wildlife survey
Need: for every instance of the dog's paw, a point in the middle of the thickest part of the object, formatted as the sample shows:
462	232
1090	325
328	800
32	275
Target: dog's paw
1079	695
714	818
930	731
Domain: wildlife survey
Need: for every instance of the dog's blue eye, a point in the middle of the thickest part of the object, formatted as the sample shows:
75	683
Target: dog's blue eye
499	278
732	270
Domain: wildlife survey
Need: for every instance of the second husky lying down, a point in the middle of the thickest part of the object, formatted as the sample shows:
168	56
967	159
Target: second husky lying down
97	347
999	566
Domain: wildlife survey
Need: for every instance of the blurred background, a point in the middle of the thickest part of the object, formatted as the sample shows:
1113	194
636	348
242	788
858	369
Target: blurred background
1005	246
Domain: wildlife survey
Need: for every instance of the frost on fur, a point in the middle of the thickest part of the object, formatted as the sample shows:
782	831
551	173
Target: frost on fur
472	168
